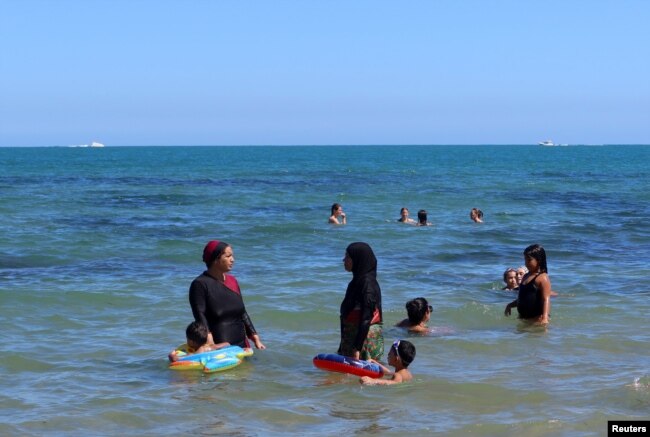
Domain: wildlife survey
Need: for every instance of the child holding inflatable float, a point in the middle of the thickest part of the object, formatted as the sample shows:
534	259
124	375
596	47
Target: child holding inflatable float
198	354
400	356
196	336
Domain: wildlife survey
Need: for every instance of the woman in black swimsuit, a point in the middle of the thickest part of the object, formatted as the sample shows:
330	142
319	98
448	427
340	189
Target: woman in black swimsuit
534	299
217	302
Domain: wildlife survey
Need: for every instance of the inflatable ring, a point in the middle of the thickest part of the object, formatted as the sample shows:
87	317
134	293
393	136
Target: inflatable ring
211	361
341	364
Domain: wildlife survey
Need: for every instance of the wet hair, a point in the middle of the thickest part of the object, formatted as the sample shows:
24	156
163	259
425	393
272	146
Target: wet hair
505	274
197	333
422	217
335	207
475	212
417	309
406	352
538	253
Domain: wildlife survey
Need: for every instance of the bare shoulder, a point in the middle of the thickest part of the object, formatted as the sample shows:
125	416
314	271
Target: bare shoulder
402	376
419	329
403	324
542	278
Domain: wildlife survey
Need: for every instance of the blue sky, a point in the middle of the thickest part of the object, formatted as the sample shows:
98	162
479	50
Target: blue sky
143	72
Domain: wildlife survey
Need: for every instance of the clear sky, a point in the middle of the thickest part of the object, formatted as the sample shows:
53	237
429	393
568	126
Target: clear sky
156	72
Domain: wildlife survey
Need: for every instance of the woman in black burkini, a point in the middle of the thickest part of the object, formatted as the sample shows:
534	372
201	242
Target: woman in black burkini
361	318
534	297
217	302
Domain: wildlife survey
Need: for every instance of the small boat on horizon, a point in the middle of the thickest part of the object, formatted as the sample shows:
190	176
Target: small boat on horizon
96	144
546	143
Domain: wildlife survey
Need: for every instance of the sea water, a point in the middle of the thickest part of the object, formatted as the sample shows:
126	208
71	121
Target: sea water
98	248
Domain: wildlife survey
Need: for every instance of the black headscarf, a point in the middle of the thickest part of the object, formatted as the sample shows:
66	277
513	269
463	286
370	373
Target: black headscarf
363	260
363	290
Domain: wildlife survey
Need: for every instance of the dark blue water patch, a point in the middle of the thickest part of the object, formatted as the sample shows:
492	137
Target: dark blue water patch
147	201
99	274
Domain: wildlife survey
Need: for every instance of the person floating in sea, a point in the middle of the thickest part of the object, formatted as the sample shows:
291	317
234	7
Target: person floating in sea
533	301
400	356
196	337
510	279
419	313
422	218
404	217
476	215
337	212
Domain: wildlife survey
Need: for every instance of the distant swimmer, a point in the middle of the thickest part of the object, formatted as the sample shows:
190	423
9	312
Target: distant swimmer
422	218
337	212
510	278
476	215
404	217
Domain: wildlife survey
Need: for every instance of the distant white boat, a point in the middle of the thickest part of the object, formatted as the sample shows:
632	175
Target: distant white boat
96	144
546	143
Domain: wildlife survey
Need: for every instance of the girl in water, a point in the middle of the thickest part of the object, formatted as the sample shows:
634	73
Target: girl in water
337	213
534	298
419	313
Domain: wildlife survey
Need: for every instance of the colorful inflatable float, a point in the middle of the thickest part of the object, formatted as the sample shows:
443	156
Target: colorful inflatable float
212	361
341	364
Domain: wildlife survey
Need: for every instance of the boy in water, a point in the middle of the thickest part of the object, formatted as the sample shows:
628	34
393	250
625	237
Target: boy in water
401	355
197	341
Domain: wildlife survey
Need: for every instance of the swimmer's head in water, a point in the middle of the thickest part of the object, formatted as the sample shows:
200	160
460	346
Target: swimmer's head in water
196	335
402	349
417	310
510	278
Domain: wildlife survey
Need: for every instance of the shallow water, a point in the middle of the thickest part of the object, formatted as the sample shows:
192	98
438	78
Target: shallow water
98	248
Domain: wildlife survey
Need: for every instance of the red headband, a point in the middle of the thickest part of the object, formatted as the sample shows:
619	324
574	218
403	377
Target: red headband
208	251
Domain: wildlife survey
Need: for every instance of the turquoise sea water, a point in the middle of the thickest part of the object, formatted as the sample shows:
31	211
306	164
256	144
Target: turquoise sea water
98	248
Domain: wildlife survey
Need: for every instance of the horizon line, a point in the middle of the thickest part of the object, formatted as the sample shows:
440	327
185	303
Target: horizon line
83	146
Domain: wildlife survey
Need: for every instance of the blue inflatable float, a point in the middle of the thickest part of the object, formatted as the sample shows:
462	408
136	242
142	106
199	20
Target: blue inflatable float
213	361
